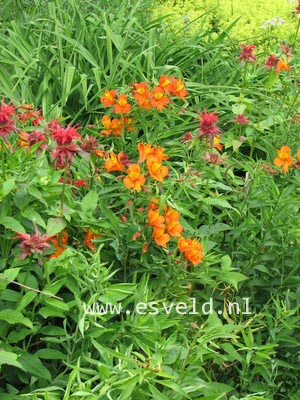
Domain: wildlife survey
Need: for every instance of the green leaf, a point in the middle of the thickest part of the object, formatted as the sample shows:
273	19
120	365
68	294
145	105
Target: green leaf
33	365
8	187
13	224
55	225
34	216
57	304
222	203
7	357
89	202
50	354
15	317
25	300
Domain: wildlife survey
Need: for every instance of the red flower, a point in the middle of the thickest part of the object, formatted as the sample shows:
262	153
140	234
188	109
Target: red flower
214	158
271	61
7	125
32	243
64	135
28	139
247	53
240	119
207	124
187	136
63	155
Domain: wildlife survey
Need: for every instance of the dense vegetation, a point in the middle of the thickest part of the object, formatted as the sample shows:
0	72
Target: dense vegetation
145	162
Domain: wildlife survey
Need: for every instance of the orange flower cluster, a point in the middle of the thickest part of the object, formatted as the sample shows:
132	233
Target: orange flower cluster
158	97
192	250
166	226
154	157
284	158
114	126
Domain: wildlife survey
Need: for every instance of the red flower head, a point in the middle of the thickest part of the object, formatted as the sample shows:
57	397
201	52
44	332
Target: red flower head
207	125
240	119
271	61
64	135
28	139
187	136
7	125
34	243
214	158
63	155
247	53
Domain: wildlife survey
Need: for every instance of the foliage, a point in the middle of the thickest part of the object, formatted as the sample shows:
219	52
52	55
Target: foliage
260	20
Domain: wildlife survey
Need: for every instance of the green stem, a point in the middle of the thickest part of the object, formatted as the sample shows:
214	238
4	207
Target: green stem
3	145
63	194
297	31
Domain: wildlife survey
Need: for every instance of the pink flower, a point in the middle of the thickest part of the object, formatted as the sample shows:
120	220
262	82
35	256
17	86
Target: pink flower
7	124
246	53
286	49
271	61
214	158
34	243
207	124
187	136
240	119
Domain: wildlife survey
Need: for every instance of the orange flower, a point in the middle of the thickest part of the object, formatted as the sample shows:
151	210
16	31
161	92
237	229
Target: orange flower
156	170
165	83
178	88
142	94
153	204
114	163
145	151
284	159
60	242
161	237
108	99
111	126
155	220
89	237
100	153
134	179
158	152
283	65
298	156
122	106
192	250
158	99
127	124
173	227
217	143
